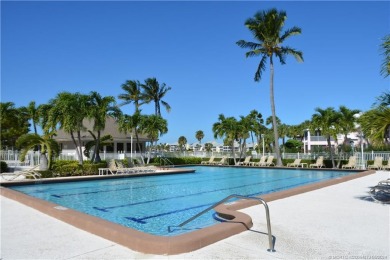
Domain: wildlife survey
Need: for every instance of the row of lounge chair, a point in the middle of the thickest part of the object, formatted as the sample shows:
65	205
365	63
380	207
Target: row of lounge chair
116	167
212	161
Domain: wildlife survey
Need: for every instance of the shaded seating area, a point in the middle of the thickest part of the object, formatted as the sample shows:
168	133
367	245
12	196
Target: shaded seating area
246	162
381	192
25	174
210	161
296	163
351	163
319	163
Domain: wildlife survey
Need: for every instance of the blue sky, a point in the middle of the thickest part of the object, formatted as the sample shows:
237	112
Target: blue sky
49	47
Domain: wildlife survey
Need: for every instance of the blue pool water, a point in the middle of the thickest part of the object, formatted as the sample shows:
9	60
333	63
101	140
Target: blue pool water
153	203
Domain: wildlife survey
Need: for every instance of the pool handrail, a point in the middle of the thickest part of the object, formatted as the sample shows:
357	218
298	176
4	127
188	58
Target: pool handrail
270	240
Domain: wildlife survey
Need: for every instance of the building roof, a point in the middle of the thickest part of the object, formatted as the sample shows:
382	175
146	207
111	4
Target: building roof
111	128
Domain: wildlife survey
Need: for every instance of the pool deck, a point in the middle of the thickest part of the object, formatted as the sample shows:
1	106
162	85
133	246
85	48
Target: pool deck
335	222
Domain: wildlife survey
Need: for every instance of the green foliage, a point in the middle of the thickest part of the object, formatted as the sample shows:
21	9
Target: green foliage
62	168
178	160
293	146
3	166
14	123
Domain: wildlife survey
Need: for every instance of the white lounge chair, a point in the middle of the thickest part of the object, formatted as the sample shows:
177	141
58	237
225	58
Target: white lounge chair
261	162
269	162
296	163
319	163
246	162
351	163
12	176
210	161
378	163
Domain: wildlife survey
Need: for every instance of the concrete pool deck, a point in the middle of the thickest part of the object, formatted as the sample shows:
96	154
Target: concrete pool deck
335	222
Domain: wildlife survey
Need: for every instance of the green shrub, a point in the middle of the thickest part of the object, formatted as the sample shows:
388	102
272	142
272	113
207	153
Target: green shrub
3	166
64	168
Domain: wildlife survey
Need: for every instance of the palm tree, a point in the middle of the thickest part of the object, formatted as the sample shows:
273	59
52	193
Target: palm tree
347	121
375	123
199	135
266	28
99	109
182	141
105	140
385	46
68	110
327	120
154	126
33	114
226	127
257	127
132	94
155	92
13	122
127	123
48	148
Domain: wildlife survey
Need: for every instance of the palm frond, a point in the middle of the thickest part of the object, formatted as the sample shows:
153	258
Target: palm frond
260	68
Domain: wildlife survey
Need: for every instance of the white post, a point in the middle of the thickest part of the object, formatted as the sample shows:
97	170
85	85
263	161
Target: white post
262	137
131	146
361	147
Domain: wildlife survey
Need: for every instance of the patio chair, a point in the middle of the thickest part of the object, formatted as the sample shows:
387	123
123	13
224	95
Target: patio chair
386	166
32	172
378	163
351	163
223	161
113	168
319	163
210	161
296	163
269	161
261	162
246	162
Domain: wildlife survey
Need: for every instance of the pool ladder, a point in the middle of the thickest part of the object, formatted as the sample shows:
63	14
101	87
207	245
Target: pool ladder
165	162
270	240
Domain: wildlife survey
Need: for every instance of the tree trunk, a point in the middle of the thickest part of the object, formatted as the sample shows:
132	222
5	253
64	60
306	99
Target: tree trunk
331	151
274	124
96	156
43	164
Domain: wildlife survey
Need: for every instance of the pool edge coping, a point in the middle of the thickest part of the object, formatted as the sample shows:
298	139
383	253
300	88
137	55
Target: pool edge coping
161	245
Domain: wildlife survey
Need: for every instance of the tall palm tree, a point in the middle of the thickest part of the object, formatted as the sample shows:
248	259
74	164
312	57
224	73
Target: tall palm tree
68	110
127	123
182	141
199	135
155	92
33	114
347	121
327	120
385	46
226	127
133	94
257	127
99	109
154	126
266	28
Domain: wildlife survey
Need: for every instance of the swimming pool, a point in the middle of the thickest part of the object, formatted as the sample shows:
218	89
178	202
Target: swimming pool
152	204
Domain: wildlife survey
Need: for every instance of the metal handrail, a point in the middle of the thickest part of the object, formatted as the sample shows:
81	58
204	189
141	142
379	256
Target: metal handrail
166	161
271	244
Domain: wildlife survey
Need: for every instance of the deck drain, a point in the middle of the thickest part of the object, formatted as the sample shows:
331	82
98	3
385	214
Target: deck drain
60	208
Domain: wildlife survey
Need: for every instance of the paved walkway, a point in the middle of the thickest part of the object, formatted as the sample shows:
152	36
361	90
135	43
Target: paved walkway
337	222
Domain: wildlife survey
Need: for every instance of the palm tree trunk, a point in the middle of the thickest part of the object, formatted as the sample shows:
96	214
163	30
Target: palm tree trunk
274	124
331	151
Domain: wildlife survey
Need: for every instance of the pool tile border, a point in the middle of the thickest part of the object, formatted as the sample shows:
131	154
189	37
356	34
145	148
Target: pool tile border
151	244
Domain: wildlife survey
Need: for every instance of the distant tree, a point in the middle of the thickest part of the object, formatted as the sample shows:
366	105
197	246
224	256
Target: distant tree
208	147
154	126
293	146
385	46
153	91
327	120
228	128
199	135
257	128
182	141
14	123
347	122
266	28
130	124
